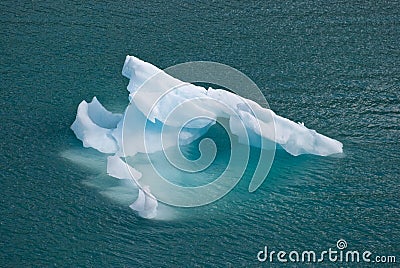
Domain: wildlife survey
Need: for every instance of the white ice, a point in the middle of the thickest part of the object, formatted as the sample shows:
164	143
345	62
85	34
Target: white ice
168	113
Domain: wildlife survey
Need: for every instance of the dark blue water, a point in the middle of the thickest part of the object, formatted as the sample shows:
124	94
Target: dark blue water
334	66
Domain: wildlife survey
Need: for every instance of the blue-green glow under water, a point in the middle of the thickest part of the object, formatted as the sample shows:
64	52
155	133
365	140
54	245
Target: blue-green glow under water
334	66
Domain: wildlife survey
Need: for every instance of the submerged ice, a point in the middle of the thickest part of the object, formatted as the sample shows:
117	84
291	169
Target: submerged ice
165	113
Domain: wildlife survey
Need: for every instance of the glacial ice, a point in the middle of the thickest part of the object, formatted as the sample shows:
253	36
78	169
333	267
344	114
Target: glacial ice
157	111
146	204
94	125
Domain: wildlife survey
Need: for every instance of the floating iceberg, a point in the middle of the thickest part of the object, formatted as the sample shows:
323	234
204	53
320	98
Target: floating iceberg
165	114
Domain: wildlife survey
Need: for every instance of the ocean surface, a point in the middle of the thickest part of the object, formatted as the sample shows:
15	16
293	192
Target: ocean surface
334	66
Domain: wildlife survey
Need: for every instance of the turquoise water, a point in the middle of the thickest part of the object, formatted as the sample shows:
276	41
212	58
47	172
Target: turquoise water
333	66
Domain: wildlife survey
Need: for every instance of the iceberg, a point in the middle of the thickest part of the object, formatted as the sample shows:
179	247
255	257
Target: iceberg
165	114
